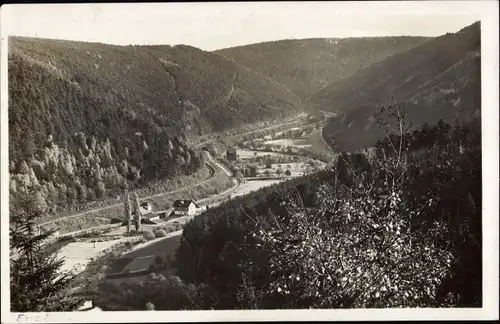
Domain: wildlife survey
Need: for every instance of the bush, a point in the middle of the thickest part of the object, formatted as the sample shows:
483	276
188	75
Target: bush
159	292
168	229
148	235
160	233
69	238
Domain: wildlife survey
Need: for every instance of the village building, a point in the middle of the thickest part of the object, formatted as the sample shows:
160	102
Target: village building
145	208
184	207
147	213
162	214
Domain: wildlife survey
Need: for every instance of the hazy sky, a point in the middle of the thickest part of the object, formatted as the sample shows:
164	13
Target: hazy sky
211	26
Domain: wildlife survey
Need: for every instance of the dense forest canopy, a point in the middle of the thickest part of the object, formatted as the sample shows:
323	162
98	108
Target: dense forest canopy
87	120
175	88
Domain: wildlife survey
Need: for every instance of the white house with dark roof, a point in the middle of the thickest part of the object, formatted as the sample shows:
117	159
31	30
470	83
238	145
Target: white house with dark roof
184	207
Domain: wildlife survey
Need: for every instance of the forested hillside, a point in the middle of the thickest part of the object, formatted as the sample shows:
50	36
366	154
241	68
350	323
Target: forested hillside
307	65
440	79
88	119
325	244
395	228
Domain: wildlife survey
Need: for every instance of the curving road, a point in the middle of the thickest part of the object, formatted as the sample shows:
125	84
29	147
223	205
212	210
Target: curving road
166	246
210	165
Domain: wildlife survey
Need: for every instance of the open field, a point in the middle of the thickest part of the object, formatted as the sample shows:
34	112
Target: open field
250	186
249	154
313	141
162	246
139	264
296	169
78	254
289	142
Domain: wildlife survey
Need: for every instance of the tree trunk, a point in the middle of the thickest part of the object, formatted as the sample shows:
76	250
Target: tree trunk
137	213
128	211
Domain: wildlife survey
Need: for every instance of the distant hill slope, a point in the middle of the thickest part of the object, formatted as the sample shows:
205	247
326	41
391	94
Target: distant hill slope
438	79
177	87
121	114
307	65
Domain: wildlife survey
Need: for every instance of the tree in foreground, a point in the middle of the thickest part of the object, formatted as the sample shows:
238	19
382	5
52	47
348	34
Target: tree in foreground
37	283
128	210
363	247
137	212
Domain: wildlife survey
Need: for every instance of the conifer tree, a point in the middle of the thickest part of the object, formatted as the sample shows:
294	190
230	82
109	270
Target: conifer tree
37	282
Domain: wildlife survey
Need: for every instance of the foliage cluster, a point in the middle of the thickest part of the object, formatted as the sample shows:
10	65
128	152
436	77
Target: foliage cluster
398	228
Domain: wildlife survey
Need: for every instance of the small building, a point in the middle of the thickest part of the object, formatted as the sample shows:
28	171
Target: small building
288	173
185	207
146	211
145	208
231	154
162	214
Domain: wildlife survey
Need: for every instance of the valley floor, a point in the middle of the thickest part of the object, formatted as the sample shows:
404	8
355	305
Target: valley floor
78	254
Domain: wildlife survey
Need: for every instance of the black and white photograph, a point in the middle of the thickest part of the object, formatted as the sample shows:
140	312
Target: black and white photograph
250	160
